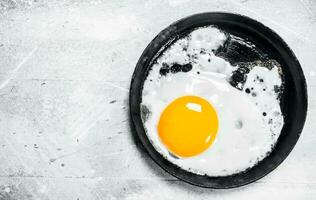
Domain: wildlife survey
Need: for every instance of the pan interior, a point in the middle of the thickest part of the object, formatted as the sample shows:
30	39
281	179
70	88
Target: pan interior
268	46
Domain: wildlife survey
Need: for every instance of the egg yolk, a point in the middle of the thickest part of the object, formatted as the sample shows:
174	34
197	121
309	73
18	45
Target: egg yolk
188	126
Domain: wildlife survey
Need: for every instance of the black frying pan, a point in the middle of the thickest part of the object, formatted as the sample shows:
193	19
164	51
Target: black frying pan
268	45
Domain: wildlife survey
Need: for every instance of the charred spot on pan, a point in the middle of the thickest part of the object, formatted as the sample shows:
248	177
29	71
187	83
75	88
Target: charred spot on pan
186	67
244	69
203	51
164	70
236	50
175	68
237	79
192	57
239	76
269	64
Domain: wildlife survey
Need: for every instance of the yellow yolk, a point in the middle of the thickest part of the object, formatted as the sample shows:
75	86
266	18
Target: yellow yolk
188	126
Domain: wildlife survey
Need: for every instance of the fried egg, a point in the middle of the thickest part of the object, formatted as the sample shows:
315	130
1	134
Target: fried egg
199	119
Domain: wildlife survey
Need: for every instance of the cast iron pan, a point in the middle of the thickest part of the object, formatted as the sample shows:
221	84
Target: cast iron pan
268	45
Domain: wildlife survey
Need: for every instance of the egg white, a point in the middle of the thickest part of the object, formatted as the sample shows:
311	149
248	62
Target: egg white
245	136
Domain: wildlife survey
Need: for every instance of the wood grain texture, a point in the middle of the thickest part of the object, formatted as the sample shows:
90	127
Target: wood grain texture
65	69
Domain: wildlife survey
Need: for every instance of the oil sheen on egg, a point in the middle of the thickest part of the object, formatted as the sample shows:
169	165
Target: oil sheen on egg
197	120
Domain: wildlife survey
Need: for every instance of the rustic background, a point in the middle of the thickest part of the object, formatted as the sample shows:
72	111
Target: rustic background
65	69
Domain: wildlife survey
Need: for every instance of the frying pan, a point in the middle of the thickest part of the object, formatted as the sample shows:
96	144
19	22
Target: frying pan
267	45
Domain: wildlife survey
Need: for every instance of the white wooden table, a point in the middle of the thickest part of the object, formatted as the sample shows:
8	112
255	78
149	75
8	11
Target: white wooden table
65	69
